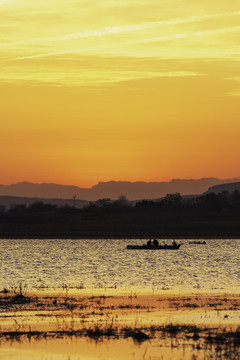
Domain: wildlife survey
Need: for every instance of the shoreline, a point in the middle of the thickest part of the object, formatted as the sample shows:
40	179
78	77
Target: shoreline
120	237
123	292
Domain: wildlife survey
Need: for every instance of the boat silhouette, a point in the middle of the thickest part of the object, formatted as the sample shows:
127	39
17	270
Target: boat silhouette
173	246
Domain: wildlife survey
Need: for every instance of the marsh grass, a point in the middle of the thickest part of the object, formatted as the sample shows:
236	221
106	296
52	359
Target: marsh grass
99	317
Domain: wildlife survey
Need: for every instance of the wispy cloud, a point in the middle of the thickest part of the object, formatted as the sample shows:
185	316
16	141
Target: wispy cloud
163	39
115	30
183	36
56	53
235	93
173	37
138	27
235	78
94	77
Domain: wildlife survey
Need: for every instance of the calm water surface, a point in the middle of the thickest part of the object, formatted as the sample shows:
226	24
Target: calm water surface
51	264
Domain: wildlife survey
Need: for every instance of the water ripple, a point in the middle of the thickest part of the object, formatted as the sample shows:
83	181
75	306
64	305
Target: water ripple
103	263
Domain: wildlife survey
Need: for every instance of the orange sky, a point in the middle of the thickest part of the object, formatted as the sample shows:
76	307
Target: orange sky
132	90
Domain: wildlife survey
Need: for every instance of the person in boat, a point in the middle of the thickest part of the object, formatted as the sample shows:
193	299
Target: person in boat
149	243
174	243
155	242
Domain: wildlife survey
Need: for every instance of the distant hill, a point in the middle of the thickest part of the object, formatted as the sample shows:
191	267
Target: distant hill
224	187
8	201
112	189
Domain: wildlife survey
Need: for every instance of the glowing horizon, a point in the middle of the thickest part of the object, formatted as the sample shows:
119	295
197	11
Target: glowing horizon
137	91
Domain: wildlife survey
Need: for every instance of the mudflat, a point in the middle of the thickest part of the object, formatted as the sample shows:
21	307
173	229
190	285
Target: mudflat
182	325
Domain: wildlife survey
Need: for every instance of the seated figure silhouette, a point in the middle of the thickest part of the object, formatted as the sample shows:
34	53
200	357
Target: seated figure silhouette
155	242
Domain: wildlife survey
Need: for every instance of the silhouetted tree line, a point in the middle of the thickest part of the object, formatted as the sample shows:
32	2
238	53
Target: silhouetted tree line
172	215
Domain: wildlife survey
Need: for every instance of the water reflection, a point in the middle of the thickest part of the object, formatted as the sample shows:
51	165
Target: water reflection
107	263
76	349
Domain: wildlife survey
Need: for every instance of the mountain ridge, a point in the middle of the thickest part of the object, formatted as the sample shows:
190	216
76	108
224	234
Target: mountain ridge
113	189
230	187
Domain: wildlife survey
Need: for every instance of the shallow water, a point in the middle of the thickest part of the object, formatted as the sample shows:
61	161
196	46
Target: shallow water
114	349
51	264
79	349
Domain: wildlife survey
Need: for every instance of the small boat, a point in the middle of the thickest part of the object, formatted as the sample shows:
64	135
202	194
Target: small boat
173	246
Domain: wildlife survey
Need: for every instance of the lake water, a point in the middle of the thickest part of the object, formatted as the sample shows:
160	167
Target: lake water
52	264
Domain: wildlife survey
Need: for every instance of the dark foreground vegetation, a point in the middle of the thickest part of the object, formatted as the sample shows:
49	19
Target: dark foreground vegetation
209	215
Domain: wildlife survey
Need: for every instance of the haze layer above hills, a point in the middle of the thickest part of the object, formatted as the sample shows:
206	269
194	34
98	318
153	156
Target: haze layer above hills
113	189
